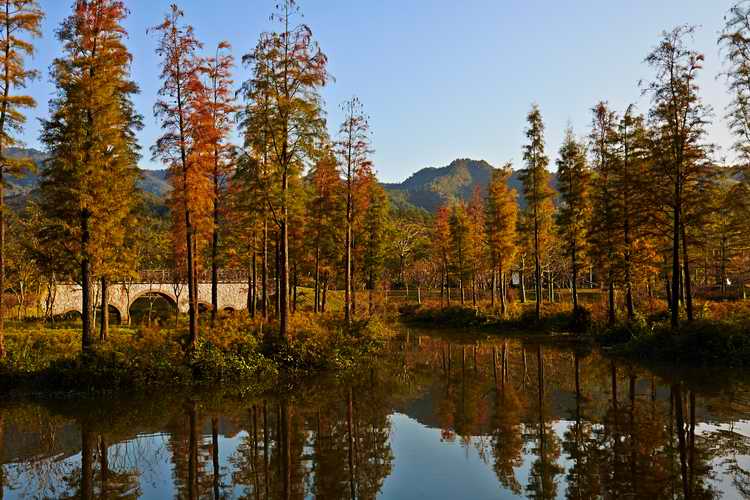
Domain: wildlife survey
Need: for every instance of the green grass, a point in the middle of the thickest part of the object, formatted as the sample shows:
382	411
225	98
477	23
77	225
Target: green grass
238	351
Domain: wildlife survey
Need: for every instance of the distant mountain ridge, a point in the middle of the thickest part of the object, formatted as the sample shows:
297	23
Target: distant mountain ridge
431	187
425	190
152	181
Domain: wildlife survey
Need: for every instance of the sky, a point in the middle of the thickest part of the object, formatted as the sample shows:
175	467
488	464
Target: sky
441	79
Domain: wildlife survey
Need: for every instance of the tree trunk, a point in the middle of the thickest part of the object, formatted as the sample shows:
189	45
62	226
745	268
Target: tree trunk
277	275
611	309
316	299
354	293
574	284
686	266
87	462
104	333
2	257
215	251
215	455
294	294
325	294
493	291
523	286
249	297
675	309
502	291
264	271
87	309
348	250
104	466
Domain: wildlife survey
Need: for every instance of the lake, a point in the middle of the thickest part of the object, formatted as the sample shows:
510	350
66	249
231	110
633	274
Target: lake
434	418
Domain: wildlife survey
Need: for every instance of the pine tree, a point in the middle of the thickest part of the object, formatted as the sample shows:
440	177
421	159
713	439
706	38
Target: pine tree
501	220
353	150
538	194
574	180
604	230
176	148
679	118
375	221
459	231
213	114
20	21
477	244
283	114
441	248
633	210
735	40
88	186
325	209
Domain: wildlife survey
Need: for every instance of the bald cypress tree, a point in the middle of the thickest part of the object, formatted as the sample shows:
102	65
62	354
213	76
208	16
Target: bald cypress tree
88	185
573	215
501	219
538	194
177	47
678	119
20	21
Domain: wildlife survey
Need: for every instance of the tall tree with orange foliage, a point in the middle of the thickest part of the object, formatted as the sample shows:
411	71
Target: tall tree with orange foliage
501	218
574	178
324	209
538	194
678	120
20	21
441	247
353	150
180	65
477	247
604	230
214	108
88	188
283	118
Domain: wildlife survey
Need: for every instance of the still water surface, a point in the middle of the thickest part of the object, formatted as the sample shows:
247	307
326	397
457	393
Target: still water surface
435	419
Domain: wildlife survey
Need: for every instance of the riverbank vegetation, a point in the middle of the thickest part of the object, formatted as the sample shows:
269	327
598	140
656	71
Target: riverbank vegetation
239	351
640	229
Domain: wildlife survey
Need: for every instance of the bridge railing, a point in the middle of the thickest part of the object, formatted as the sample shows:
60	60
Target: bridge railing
172	276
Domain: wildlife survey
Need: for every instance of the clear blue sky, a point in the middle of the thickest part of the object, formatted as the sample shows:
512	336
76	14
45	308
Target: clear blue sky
442	79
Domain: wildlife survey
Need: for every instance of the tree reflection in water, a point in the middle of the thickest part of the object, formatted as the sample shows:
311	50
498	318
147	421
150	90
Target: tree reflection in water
543	420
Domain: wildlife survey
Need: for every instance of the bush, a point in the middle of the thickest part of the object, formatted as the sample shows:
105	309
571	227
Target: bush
237	350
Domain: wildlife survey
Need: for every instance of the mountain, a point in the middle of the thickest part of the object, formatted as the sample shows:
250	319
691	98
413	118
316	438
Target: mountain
425	191
153	182
431	187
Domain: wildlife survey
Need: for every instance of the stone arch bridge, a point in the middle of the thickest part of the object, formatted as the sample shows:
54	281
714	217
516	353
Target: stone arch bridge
232	293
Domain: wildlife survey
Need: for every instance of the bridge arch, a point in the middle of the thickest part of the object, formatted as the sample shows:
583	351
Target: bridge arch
152	305
116	315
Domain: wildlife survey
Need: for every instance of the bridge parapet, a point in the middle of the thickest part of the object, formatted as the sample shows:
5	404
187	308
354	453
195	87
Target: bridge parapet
232	293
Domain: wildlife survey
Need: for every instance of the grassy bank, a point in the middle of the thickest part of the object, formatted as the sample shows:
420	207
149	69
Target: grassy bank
719	335
236	351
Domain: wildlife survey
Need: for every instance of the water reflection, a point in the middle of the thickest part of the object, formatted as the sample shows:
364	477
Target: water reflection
434	419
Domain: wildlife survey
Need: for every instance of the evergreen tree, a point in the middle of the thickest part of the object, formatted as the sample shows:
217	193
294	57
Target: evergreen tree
735	40
325	209
177	149
604	231
353	150
20	21
88	187
283	114
373	238
500	223
574	180
679	118
214	113
538	194
459	232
